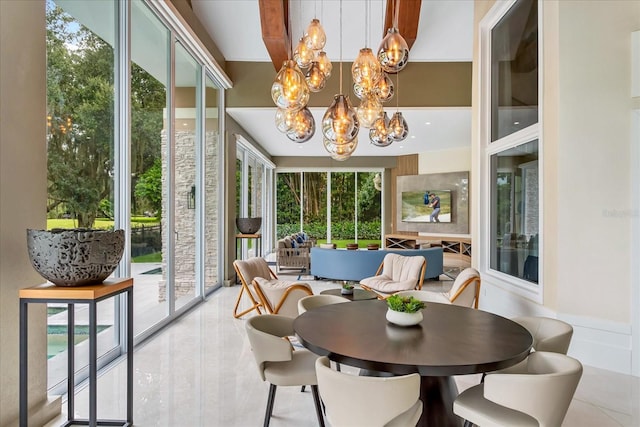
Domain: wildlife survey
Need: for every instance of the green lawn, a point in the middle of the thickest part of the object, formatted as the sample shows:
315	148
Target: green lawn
100	223
343	243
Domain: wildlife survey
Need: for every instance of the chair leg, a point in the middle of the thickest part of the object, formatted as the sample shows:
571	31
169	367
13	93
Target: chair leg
468	423
302	389
272	396
316	400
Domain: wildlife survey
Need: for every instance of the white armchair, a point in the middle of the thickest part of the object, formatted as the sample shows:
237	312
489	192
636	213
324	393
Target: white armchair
465	291
396	273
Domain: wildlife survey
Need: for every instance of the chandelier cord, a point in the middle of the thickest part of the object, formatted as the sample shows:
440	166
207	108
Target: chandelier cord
396	7
341	46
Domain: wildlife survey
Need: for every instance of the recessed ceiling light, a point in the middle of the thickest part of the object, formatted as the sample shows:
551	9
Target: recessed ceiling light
516	123
427	123
413	137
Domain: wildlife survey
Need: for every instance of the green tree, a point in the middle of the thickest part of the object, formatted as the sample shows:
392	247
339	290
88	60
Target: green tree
80	100
149	187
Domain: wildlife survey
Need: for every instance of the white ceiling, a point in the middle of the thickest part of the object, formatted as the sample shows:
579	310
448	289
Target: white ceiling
444	34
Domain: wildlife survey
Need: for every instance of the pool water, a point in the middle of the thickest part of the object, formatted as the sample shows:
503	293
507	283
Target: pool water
57	337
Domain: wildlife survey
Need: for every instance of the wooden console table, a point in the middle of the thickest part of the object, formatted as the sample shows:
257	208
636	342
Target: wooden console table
72	295
450	244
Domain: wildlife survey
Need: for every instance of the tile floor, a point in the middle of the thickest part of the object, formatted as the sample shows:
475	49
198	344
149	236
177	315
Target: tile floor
200	372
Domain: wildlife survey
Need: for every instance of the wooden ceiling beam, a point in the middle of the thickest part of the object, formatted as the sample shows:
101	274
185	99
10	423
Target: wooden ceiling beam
274	18
408	18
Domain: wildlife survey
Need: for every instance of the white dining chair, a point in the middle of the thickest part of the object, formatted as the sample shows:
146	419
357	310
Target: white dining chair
538	397
362	401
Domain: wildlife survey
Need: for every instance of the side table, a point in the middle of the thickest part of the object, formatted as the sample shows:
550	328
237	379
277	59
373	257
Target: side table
72	295
257	240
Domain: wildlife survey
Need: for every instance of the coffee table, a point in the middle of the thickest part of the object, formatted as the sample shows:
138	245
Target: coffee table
451	340
358	294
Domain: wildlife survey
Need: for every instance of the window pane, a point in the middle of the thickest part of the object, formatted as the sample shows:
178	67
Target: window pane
369	209
515	211
343	208
315	205
288	199
211	180
149	83
514	70
186	122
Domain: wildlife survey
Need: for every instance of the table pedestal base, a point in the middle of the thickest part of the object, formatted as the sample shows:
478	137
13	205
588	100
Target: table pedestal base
437	395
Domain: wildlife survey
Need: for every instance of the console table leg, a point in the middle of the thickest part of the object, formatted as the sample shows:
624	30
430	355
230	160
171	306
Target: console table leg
93	368
130	356
71	364
24	362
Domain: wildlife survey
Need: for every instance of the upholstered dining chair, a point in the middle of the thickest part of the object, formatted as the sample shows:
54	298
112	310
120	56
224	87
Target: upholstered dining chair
265	291
538	397
353	401
552	335
396	273
277	363
465	291
313	301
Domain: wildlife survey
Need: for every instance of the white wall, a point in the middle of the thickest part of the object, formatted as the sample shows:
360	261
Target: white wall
455	160
589	205
23	196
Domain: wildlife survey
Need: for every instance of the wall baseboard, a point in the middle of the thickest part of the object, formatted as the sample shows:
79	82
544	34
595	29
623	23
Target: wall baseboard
598	343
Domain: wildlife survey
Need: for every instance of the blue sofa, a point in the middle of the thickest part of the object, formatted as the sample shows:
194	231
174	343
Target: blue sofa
340	264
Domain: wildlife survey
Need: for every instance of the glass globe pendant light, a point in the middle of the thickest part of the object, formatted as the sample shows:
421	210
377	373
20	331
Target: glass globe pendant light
284	119
324	64
290	90
340	122
384	88
366	70
393	52
315	77
398	127
369	110
340	152
315	38
303	127
379	132
303	55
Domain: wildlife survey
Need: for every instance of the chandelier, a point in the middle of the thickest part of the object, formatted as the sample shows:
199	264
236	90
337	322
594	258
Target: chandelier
306	71
291	89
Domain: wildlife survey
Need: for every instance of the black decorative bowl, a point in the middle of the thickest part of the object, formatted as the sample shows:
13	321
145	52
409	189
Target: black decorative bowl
75	257
249	225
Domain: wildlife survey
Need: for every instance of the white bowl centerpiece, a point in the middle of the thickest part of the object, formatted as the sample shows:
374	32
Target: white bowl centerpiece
404	311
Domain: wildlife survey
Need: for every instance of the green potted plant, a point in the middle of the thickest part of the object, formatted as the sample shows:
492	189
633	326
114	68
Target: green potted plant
347	287
404	311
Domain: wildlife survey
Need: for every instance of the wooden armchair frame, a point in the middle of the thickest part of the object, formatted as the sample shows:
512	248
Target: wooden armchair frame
264	301
464	285
245	288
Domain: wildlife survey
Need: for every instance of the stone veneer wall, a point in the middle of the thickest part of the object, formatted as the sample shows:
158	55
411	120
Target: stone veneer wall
184	218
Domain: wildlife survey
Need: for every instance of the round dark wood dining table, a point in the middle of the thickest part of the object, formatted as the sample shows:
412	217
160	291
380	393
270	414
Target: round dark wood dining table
450	340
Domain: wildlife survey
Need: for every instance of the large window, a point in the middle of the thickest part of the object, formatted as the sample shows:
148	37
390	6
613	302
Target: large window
254	174
331	206
511	146
133	147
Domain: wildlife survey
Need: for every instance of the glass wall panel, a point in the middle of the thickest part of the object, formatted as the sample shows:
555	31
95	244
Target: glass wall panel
149	175
515	211
343	208
80	154
288	203
514	70
211	191
315	205
369	223
186	122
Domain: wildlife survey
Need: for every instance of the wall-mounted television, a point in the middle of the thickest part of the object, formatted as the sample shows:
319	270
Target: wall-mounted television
417	206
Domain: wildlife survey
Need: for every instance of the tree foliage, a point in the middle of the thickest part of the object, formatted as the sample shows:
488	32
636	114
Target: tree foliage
80	120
